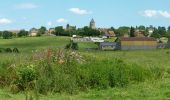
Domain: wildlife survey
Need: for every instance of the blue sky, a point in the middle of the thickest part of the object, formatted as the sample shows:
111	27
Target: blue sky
25	14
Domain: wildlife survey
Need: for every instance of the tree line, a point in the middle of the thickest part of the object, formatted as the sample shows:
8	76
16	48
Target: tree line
85	31
9	35
58	31
158	32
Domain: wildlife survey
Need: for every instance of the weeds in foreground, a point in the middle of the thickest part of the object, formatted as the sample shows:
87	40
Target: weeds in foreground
50	71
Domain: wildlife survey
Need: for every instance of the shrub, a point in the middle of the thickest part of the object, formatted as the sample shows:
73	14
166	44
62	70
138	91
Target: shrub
55	72
8	50
15	50
7	35
72	45
26	77
22	33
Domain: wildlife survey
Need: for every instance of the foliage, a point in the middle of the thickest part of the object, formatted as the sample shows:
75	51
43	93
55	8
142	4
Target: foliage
86	31
1	33
141	27
26	77
41	31
59	31
146	88
121	31
8	50
162	31
22	33
156	34
132	32
15	50
72	45
67	71
7	35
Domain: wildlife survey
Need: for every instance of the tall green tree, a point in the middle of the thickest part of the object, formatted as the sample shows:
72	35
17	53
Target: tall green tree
168	29
141	27
156	34
22	33
168	32
122	30
162	31
112	28
132	32
7	35
59	30
1	33
41	31
86	31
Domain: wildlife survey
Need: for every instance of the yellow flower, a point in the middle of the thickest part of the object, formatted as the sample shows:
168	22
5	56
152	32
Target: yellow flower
61	61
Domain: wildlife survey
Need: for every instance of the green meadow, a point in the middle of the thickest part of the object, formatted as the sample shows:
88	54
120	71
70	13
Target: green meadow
149	80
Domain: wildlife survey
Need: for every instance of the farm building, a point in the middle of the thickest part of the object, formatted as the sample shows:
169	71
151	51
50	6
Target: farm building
137	43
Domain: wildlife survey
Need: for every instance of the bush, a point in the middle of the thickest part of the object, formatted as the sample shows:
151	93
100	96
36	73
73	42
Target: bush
7	35
72	45
8	50
26	77
22	33
0	50
15	50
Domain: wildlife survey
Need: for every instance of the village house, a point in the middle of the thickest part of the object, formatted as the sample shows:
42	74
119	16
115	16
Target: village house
139	33
136	43
107	32
33	32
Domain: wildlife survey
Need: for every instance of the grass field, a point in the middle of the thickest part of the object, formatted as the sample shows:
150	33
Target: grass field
148	90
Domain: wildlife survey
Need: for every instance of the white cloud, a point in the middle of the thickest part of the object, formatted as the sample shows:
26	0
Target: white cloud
164	14
49	23
156	13
5	21
80	11
62	20
26	6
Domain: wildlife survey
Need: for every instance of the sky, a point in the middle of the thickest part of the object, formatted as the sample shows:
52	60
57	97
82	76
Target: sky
26	14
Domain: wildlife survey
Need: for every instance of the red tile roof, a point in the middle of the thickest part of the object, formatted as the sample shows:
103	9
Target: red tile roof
137	39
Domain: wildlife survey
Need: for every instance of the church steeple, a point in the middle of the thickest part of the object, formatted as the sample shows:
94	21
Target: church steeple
92	21
92	24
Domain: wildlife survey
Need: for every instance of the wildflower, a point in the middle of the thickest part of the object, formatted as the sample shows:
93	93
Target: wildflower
61	61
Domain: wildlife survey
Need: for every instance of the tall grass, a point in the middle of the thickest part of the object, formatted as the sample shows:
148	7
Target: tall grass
50	71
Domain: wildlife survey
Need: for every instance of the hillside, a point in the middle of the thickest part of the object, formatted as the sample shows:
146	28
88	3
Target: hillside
158	89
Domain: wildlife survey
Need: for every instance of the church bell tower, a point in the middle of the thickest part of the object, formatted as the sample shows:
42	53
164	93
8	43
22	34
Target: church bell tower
92	24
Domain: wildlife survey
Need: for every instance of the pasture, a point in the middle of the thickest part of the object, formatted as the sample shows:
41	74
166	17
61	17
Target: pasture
158	89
